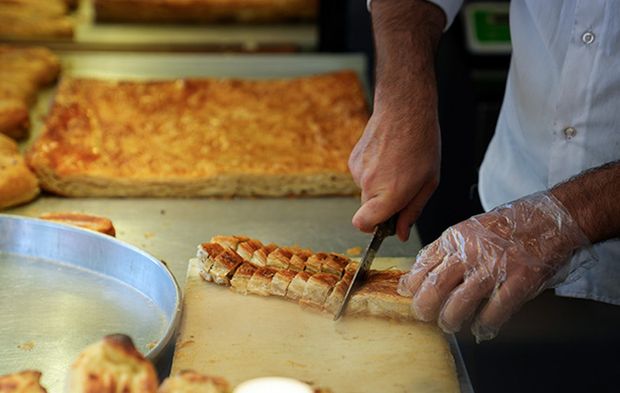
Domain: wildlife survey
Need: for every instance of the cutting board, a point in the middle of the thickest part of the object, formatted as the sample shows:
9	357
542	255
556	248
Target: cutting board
242	337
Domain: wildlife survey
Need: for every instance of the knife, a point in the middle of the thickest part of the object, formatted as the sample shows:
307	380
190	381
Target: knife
383	230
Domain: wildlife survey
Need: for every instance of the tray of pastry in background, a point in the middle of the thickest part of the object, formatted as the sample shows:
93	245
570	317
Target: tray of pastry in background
197	125
164	25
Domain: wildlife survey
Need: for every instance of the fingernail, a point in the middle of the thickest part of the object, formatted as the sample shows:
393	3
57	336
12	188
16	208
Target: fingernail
483	332
403	288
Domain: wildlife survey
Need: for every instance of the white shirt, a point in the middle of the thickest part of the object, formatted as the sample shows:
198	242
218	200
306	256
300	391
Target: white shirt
561	113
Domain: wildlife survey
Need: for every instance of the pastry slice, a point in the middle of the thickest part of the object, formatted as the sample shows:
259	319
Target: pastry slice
246	249
206	254
22	382
334	264
280	282
260	283
279	258
189	381
259	257
224	266
241	278
318	287
231	242
314	262
297	286
336	297
297	263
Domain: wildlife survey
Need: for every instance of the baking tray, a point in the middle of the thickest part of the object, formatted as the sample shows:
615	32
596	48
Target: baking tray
63	288
171	228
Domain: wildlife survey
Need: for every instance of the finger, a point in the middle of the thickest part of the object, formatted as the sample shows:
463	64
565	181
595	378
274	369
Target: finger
428	258
412	211
504	302
374	211
464	300
436	288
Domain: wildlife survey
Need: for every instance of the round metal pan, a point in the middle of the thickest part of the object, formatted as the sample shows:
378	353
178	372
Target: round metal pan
63	288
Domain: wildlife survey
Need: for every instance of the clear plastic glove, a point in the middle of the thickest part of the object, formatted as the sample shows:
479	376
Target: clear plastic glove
508	256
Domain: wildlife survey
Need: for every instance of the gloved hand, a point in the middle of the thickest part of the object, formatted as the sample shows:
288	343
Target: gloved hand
508	256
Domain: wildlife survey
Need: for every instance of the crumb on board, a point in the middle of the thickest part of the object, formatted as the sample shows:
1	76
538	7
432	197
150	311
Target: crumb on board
354	251
26	346
148	235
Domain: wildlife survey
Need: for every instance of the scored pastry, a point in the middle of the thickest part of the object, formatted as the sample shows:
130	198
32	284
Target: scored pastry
27	381
316	280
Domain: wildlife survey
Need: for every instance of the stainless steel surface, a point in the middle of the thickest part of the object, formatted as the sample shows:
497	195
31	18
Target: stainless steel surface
63	288
382	231
170	229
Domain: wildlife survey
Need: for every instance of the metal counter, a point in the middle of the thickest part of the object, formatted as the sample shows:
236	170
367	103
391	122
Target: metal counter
170	229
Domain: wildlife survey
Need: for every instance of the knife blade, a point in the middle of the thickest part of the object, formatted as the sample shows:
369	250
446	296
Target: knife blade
383	230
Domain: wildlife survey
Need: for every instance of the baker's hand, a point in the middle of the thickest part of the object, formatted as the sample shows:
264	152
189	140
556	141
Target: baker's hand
396	165
508	256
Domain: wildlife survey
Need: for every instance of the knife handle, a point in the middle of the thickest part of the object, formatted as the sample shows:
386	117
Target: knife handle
388	228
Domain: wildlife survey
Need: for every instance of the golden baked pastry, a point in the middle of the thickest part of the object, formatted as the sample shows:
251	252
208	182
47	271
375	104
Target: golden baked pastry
17	183
35	19
26	381
188	381
207	137
23	71
254	11
88	221
112	365
321	283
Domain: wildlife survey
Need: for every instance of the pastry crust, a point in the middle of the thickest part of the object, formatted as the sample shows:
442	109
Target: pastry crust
189	381
17	184
27	381
231	137
254	11
110	366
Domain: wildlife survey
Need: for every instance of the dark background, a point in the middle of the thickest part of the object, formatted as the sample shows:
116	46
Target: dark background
553	344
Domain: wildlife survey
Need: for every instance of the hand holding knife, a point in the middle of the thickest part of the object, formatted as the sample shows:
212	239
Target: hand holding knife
383	230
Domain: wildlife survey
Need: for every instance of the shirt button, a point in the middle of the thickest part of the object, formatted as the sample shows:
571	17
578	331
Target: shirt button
570	132
588	37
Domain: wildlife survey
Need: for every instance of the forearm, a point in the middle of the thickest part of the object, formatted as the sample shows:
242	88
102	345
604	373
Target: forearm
592	200
406	33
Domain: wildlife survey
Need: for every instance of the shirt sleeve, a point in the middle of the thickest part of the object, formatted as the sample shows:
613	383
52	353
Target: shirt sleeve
449	7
